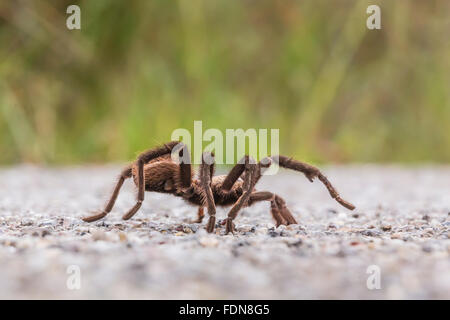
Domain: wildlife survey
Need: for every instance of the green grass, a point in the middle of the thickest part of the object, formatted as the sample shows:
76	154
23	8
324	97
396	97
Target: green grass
137	70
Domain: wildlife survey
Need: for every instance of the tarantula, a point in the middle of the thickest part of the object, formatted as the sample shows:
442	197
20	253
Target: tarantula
156	170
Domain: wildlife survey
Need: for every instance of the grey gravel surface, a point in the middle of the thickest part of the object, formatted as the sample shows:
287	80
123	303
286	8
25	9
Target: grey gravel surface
401	226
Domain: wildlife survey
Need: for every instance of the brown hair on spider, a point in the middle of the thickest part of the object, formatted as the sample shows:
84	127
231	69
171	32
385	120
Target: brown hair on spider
155	170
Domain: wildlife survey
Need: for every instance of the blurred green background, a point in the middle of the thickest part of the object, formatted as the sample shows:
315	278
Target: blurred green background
137	70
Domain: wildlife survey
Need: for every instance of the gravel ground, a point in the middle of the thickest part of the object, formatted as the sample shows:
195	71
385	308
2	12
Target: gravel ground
401	225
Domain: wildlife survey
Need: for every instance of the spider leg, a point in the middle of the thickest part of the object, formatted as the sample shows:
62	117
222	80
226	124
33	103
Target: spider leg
185	167
285	212
235	173
248	186
144	158
310	172
232	176
206	172
200	215
279	211
126	173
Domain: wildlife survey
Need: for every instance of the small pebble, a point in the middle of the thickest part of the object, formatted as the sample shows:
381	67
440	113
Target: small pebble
123	236
208	241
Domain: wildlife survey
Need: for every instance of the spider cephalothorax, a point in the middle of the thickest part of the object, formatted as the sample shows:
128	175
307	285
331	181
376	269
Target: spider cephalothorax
155	170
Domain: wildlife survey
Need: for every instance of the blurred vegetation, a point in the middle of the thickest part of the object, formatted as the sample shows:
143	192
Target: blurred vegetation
137	70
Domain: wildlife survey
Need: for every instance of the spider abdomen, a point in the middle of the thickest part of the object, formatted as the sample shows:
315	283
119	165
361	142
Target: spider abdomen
159	176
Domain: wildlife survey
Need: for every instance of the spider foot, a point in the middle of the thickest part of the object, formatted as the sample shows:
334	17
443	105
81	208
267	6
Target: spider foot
94	217
276	214
211	224
280	222
230	227
287	216
198	220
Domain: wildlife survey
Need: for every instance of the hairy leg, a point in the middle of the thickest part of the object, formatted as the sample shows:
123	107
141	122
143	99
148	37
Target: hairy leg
249	184
206	172
310	172
185	166
200	215
279	211
284	211
234	174
126	173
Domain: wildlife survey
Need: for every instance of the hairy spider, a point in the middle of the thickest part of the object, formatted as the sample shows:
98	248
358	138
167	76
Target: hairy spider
155	170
